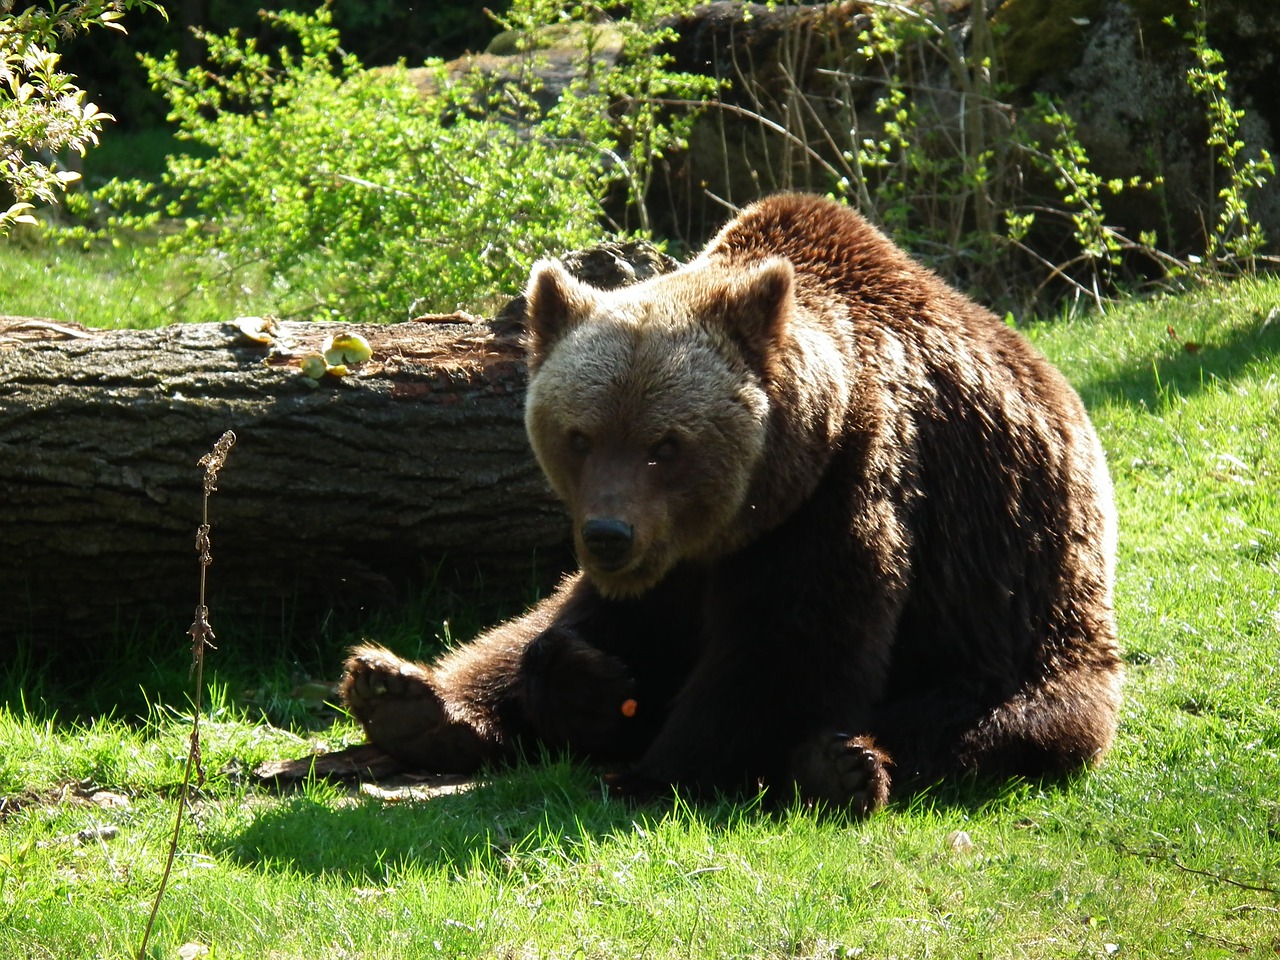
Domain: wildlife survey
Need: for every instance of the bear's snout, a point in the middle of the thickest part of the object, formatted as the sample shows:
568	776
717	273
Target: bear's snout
608	540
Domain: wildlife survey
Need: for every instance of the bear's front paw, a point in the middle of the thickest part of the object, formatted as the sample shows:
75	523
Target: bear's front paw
394	702
575	695
843	772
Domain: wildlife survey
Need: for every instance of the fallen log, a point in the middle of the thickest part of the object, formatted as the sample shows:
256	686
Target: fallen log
342	493
339	491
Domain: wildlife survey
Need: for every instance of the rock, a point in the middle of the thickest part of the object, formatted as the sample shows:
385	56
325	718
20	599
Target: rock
1121	71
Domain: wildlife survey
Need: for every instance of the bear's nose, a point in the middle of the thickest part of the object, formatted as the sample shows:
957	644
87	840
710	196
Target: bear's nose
608	540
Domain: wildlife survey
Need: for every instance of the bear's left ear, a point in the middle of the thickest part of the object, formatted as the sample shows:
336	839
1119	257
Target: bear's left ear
760	304
555	303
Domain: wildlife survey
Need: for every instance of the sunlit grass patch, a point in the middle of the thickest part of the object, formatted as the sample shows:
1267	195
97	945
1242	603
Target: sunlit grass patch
1170	849
117	286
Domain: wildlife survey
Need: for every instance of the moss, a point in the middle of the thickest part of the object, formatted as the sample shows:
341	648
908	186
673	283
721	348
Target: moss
1231	23
1038	37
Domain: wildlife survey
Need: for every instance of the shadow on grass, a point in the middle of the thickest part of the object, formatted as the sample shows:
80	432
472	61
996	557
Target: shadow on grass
528	813
1183	368
259	659
526	816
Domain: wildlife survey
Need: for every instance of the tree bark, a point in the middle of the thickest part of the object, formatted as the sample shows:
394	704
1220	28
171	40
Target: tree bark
336	494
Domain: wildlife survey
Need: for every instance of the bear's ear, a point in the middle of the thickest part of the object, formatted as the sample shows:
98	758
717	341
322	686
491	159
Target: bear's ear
759	308
555	303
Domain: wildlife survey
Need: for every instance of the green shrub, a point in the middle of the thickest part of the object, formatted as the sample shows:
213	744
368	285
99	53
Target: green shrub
958	174
368	194
629	105
353	190
1001	196
1237	238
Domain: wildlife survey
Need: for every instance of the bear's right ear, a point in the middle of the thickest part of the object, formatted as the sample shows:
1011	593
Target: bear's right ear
555	303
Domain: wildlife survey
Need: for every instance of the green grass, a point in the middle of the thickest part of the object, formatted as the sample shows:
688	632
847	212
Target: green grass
1171	849
118	286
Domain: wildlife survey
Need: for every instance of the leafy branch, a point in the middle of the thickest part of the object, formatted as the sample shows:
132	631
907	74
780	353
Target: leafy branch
42	111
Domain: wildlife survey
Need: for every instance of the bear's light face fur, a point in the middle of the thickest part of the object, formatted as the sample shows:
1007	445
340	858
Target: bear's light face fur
643	409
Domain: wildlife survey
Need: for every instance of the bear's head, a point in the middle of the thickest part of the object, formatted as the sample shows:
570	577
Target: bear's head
649	409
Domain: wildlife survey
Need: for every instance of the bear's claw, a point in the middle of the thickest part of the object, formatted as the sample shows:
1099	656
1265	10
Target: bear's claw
843	772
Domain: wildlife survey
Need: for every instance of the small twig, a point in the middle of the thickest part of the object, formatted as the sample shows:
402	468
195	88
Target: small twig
1173	859
757	118
202	636
1235	945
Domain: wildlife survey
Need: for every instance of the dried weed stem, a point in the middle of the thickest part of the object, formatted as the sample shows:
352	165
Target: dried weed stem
202	636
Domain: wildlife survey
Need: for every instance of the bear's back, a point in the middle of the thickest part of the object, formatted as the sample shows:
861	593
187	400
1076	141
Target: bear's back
888	302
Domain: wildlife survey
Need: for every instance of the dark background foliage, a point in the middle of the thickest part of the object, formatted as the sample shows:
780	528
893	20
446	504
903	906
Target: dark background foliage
377	31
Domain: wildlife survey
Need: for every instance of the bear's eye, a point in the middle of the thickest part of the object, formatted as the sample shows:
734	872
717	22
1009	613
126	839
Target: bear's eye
579	442
665	451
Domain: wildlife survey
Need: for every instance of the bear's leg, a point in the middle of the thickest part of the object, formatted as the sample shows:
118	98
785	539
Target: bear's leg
838	771
598	680
466	709
563	675
1054	728
791	650
401	711
1049	729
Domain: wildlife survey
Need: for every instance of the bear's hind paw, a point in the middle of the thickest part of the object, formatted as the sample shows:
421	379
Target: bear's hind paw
394	701
838	771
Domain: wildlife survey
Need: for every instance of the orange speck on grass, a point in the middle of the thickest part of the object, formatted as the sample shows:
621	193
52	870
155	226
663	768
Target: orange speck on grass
628	708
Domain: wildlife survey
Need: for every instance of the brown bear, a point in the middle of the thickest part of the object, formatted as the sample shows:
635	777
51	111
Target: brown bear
839	528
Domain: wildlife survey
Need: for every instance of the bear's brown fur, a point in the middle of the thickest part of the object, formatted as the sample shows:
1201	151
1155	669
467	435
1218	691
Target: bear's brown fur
839	527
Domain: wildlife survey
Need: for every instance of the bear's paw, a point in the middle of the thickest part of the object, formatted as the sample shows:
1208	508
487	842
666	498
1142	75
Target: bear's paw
395	703
574	694
840	772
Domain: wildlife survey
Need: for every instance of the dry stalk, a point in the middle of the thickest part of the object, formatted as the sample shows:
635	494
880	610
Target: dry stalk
202	636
